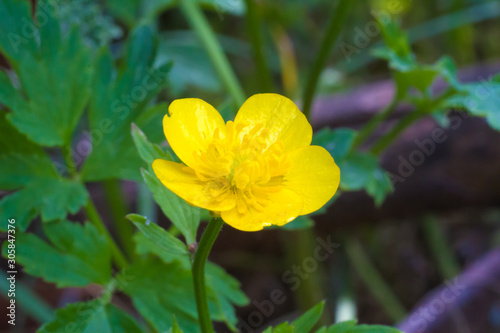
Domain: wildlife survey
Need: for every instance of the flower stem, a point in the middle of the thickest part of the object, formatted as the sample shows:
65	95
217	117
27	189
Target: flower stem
118	208
206	243
254	25
200	25
94	217
423	111
372	124
68	158
440	248
333	30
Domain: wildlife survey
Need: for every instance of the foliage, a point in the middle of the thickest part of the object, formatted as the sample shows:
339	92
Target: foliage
85	80
308	320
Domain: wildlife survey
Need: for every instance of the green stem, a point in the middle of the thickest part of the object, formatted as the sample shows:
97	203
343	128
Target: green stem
374	280
333	30
206	243
300	244
94	217
118	208
387	139
200	25
373	123
427	108
438	244
70	163
254	30
28	301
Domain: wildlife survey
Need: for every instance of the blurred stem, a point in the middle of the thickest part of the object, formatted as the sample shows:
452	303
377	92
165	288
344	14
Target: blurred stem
118	209
373	123
301	244
441	251
409	119
30	303
374	280
461	40
288	63
66	152
207	241
254	23
145	202
200	25
332	33
94	217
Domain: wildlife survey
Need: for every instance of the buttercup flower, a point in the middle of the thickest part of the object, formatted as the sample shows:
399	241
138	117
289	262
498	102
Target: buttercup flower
256	171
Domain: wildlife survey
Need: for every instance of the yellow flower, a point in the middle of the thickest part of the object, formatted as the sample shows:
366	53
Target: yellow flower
256	171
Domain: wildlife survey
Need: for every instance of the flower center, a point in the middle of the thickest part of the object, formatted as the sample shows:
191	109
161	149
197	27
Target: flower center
243	163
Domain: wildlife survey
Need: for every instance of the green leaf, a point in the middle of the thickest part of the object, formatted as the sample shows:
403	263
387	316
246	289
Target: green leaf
373	329
25	167
281	328
185	217
407	72
144	279
54	74
350	327
338	142
396	39
480	99
360	170
192	67
158	235
175	328
306	322
77	257
420	77
89	317
21	161
223	290
53	198
147	151
122	96
342	327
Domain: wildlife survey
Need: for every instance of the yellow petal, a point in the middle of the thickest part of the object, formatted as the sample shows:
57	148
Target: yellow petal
182	180
280	116
191	127
284	206
313	175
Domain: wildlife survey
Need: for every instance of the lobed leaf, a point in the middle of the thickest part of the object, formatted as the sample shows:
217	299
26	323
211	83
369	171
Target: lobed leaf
25	167
121	96
222	289
54	74
77	256
90	317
